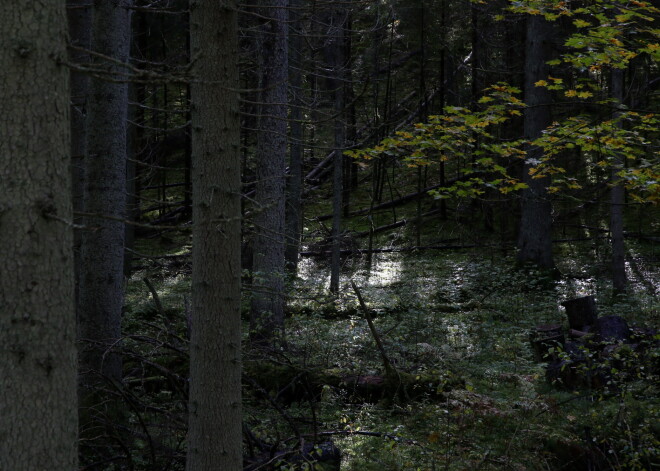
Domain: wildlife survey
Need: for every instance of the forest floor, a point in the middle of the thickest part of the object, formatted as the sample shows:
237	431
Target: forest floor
447	314
459	317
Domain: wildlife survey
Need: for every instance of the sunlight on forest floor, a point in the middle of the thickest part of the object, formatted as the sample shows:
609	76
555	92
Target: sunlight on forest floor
471	314
463	314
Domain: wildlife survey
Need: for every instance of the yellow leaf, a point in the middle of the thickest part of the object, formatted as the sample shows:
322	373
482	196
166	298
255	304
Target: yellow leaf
570	93
581	23
585	94
541	83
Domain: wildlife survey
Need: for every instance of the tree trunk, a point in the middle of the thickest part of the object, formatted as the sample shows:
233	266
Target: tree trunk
336	55
617	199
214	431
267	313
38	414
294	184
102	251
535	237
79	17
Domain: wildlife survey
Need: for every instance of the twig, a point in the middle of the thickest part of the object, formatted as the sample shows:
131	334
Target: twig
389	369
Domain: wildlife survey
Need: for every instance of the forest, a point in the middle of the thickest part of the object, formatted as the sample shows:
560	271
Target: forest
363	235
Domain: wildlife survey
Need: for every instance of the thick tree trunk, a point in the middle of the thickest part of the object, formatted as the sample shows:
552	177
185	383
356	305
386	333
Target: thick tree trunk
102	251
267	313
294	184
617	200
535	236
38	414
214	434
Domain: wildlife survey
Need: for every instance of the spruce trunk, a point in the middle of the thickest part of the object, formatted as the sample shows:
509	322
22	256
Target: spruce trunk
215	420
267	316
535	237
102	251
38	413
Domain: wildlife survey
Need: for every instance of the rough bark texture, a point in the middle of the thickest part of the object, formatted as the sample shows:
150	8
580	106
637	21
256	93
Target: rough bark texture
294	183
102	252
617	200
38	415
214	435
336	55
535	237
267	316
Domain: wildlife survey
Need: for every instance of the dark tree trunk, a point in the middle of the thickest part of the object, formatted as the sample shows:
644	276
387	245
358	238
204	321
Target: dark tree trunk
294	184
79	16
267	314
535	236
617	198
102	252
336	48
215	420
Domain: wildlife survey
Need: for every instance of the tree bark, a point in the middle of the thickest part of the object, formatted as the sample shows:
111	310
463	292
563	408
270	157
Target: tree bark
214	433
38	413
267	313
294	184
617	199
79	17
337	58
535	237
102	250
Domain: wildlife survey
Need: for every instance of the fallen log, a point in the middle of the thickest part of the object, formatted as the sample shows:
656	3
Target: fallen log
289	383
324	455
311	253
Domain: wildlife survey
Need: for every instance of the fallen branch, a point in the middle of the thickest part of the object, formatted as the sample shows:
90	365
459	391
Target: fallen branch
393	250
404	199
394	225
387	364
154	294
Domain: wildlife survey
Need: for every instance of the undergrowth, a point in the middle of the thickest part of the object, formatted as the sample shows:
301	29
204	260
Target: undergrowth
460	314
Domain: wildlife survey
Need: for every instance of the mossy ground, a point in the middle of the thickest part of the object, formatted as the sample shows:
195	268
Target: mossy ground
456	313
447	313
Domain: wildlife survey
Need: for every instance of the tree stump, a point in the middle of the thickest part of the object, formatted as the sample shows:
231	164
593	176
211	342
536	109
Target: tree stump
581	312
